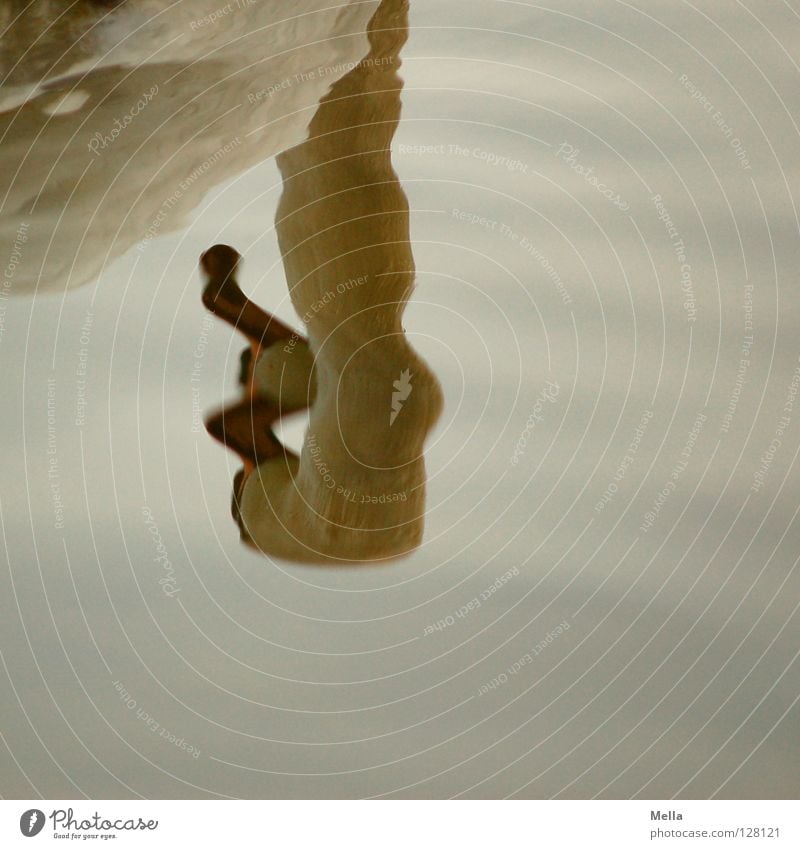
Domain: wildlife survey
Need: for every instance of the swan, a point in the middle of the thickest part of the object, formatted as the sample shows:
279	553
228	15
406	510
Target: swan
117	118
356	492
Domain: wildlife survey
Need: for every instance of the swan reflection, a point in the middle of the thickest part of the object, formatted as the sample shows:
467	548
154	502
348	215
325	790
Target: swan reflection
356	492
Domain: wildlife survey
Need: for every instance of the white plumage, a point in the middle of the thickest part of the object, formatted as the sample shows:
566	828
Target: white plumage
75	72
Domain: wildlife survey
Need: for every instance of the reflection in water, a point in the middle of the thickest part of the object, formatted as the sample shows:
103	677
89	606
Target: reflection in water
116	118
357	490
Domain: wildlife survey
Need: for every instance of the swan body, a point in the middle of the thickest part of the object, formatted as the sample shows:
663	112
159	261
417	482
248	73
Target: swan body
117	118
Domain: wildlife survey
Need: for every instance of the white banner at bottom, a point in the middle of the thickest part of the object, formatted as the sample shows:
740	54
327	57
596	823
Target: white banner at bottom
402	824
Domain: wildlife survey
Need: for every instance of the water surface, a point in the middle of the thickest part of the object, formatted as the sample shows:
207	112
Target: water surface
605	234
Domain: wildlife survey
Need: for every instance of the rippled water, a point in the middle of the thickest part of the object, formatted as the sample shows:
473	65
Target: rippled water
604	227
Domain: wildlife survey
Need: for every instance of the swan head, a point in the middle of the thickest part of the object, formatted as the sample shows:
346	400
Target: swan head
220	263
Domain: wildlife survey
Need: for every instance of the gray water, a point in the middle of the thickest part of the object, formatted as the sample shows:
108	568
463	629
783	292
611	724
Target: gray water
605	599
